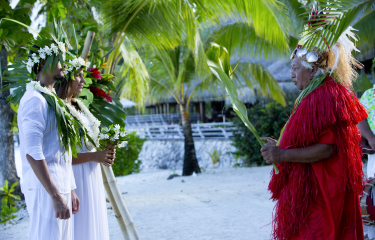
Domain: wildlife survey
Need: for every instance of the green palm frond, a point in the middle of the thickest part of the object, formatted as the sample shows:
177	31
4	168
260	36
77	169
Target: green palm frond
218	61
325	30
296	9
132	76
366	34
269	17
256	76
241	40
108	113
16	77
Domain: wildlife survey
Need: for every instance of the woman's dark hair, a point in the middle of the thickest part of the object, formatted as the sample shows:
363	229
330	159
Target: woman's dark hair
62	88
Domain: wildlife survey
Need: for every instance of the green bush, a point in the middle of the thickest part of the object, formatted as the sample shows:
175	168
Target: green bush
8	210
268	121
126	161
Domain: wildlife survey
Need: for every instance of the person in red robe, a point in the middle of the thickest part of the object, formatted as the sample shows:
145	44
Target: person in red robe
319	152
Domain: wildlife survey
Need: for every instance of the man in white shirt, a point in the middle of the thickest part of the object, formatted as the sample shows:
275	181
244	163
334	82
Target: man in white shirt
47	178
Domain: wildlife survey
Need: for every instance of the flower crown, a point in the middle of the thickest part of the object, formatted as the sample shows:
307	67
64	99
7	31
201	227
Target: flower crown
55	48
75	64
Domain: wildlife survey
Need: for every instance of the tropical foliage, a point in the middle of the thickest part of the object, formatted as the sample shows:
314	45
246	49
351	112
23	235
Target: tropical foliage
334	17
8	210
268	120
127	161
97	90
215	155
173	38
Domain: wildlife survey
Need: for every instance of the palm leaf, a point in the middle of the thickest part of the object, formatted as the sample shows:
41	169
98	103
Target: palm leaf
257	76
132	76
326	29
238	106
218	62
28	27
366	34
107	113
241	40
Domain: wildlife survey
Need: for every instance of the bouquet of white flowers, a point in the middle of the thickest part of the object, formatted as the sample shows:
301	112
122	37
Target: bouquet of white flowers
112	137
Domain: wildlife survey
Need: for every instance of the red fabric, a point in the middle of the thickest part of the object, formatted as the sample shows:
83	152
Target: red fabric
335	215
321	200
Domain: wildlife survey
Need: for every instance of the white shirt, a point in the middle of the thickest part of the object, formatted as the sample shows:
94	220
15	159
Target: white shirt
39	138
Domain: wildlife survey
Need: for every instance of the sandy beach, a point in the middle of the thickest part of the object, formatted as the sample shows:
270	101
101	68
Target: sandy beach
220	204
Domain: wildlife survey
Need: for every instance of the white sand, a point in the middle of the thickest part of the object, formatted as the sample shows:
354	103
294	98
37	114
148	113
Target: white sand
218	204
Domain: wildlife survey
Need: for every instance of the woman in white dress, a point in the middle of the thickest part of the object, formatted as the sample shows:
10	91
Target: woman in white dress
91	222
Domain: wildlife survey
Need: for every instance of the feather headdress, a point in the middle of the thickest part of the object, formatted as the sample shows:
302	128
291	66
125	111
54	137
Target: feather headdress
328	39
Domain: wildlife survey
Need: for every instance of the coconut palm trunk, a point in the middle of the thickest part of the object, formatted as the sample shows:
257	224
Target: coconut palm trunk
190	157
7	163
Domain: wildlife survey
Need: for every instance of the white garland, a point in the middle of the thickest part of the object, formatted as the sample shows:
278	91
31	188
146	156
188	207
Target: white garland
35	85
95	123
44	52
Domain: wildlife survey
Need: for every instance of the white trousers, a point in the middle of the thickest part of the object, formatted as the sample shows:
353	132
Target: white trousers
43	223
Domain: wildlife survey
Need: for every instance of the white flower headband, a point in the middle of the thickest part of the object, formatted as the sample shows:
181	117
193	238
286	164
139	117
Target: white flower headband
76	64
44	52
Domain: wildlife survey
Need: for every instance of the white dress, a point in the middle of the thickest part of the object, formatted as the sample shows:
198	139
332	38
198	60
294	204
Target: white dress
90	223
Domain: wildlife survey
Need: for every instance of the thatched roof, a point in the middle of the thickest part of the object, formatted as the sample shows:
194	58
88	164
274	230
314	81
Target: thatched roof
280	70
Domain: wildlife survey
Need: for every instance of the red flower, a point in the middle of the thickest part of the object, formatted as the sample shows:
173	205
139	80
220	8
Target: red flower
95	73
100	93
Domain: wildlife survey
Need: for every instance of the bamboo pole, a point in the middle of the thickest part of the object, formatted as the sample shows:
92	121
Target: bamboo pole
88	42
119	218
111	181
122	215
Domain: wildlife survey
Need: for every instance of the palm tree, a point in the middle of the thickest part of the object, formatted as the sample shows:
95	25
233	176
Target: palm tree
174	36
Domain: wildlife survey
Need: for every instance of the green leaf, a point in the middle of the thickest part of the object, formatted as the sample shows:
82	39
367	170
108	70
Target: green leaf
118	111
108	52
20	23
5	186
362	83
47	64
61	59
58	10
13	186
88	94
88	82
54	63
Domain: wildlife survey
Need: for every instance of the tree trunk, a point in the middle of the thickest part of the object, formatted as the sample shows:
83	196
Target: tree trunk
190	158
7	162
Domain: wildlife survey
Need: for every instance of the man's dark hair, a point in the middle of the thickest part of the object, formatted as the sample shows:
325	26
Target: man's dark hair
37	66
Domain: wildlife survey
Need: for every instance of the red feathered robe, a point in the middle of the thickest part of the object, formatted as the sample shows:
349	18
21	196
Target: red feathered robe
321	200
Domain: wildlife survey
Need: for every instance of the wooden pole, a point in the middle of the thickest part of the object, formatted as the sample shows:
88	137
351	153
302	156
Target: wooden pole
119	218
111	181
110	184
88	42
